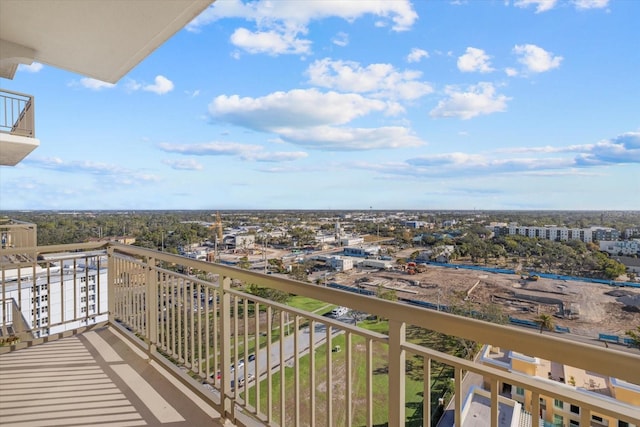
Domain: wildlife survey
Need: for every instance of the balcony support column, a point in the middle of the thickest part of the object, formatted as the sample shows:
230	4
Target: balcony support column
225	350
151	303
397	356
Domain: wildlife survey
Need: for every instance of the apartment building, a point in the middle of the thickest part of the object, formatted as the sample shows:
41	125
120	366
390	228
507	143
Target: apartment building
620	247
552	232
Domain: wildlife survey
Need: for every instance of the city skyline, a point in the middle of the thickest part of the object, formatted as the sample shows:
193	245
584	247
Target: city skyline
492	105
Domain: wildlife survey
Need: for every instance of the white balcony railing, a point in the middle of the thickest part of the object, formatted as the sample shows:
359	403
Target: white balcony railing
17	114
257	359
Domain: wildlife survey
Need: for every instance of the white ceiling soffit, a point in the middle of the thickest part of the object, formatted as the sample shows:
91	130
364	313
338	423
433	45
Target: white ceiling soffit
102	39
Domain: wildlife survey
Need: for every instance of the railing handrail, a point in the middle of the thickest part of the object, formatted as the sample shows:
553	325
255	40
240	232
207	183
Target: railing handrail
572	353
16	93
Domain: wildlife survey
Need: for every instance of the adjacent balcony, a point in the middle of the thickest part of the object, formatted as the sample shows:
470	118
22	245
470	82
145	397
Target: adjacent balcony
227	353
17	127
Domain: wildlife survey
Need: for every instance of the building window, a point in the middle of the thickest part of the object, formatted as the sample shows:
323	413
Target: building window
83	279
83	289
558	420
574	423
575	409
83	299
44	298
596	418
92	288
83	309
623	424
558	403
519	391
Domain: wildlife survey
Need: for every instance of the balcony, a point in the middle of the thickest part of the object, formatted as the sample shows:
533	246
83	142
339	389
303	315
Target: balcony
223	354
17	127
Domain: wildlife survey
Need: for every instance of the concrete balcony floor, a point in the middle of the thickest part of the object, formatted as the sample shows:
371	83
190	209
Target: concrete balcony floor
94	378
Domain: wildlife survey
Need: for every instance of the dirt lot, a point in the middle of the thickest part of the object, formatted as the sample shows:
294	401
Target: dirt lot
585	308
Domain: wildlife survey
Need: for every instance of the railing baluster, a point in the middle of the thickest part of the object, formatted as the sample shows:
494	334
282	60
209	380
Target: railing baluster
269	366
193	311
245	344
369	380
296	368
225	350
283	364
328	353
236	370
458	398
179	309
312	373
207	334
493	385
347	381
426	391
535	405
256	310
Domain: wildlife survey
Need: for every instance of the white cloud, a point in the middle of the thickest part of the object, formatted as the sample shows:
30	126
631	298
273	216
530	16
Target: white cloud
541	5
189	164
511	72
94	84
280	23
341	39
590	4
270	42
209	148
269	13
477	100
161	86
103	172
243	151
540	161
536	59
276	157
380	80
474	60
34	67
352	139
293	109
416	55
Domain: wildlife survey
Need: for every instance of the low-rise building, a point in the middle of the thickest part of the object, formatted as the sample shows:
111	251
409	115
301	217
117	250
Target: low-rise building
555	411
620	247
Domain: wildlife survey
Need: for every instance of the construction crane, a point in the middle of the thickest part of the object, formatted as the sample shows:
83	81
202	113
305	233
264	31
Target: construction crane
216	230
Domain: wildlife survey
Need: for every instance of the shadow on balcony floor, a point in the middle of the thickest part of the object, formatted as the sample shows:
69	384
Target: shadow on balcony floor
93	378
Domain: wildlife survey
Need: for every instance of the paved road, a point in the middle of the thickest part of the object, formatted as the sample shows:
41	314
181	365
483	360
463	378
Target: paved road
304	337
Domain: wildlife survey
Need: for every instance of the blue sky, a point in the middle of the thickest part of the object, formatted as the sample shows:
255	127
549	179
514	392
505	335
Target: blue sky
388	104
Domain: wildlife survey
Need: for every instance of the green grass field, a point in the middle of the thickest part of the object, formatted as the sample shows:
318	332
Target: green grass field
413	391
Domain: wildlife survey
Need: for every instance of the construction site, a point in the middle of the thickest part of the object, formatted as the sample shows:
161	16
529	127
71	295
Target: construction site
584	308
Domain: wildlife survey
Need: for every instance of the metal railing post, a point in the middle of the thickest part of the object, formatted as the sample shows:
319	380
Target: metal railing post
397	356
228	403
111	284
151	305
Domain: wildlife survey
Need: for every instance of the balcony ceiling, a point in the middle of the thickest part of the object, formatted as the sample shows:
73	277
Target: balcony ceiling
102	39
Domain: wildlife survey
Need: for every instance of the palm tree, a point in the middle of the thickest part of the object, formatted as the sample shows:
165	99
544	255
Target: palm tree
545	321
635	336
